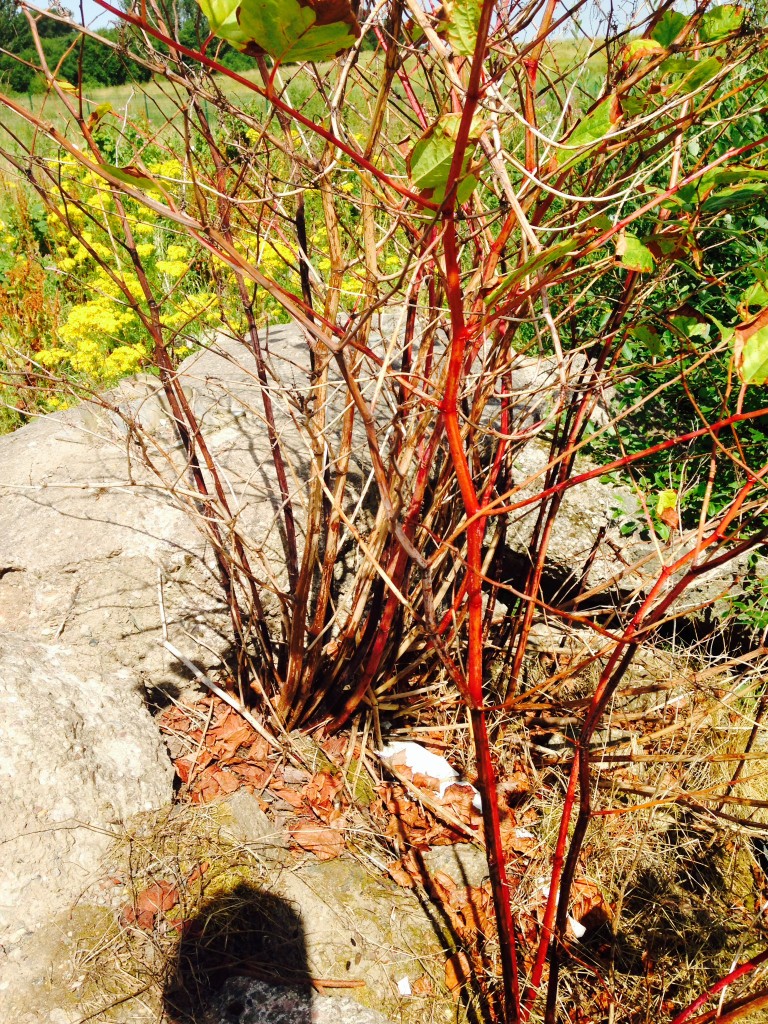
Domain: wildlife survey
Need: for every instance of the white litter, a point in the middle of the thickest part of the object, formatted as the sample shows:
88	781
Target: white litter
423	762
578	929
404	987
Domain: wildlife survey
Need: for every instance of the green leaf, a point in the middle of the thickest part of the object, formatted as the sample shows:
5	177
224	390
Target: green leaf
649	337
750	349
466	187
669	27
535	263
729	176
702	72
677	65
705	71
462	18
593	128
429	162
734	198
288	30
720	22
691	327
222	18
755	295
665	500
636	49
634	105
633	255
133	176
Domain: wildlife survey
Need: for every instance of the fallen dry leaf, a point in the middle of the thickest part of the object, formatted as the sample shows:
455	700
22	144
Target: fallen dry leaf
155	898
670	517
325	843
198	872
457	973
588	905
323	795
423	986
231	734
399	874
290	796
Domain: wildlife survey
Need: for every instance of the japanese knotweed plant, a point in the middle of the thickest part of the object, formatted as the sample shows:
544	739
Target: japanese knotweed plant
507	195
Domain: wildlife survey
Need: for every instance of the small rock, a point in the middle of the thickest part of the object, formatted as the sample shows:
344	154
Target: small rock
243	1001
245	821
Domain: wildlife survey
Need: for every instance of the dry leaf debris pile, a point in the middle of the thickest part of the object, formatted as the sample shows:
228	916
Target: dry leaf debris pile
311	800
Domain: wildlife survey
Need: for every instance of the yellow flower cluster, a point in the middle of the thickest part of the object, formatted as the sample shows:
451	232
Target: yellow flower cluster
173	268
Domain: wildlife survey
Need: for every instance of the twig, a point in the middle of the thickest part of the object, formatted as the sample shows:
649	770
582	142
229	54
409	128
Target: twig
228	698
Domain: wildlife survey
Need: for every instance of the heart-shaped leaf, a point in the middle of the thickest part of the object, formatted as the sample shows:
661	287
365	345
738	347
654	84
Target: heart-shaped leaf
429	162
287	30
669	27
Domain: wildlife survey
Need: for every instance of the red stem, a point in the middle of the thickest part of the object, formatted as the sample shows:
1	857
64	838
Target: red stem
736	973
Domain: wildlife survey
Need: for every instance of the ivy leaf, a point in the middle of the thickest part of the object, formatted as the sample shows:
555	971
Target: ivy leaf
750	349
462	18
720	22
593	128
633	255
668	28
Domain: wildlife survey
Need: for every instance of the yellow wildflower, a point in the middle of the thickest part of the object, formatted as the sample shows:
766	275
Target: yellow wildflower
51	357
125	359
173	268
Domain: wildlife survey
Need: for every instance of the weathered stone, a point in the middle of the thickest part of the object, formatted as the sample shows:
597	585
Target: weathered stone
87	531
464	863
245	821
294	923
79	755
